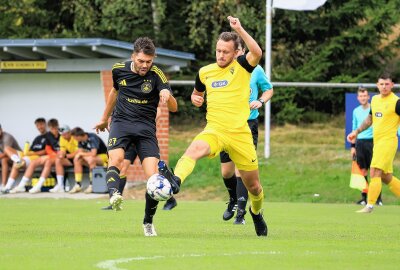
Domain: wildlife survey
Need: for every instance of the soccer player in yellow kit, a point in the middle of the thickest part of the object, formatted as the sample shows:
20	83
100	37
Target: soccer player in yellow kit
385	119
227	85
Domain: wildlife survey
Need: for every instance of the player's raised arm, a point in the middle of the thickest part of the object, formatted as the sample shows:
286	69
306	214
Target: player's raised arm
111	100
255	52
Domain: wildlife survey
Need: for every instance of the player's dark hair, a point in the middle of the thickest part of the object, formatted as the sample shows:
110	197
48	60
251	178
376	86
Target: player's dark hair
77	132
386	76
40	120
241	43
230	36
144	45
53	123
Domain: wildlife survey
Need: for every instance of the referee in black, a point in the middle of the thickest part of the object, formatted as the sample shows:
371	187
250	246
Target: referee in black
138	87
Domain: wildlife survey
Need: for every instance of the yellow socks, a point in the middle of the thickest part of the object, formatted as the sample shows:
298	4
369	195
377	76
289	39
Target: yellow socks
375	187
394	186
78	177
256	202
184	167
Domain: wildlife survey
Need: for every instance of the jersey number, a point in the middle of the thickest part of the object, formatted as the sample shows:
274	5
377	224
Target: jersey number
112	141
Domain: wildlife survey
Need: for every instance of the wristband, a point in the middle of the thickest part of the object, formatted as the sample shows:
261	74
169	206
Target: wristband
261	100
353	145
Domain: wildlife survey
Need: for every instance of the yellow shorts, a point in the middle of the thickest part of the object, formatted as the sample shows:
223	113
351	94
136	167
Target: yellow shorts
237	143
104	158
383	154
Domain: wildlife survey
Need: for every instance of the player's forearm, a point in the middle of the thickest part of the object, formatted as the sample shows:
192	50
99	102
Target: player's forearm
111	100
267	95
254	50
172	104
366	124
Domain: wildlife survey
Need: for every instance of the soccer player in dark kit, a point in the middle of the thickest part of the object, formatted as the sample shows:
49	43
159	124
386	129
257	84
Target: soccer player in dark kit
138	87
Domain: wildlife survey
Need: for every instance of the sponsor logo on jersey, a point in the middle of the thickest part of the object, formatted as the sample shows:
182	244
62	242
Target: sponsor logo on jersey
232	70
146	87
137	101
219	84
123	82
378	114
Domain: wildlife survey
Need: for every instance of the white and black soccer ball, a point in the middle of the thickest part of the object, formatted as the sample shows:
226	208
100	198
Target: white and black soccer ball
159	188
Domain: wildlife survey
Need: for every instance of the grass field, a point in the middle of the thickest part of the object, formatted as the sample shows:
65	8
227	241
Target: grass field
71	234
305	232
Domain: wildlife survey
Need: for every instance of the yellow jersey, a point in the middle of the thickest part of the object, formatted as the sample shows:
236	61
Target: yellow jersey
385	116
68	146
228	92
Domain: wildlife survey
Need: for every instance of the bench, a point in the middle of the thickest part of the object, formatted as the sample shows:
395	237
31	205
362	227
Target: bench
99	182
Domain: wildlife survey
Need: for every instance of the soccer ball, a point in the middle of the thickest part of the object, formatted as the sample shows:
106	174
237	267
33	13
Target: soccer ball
159	188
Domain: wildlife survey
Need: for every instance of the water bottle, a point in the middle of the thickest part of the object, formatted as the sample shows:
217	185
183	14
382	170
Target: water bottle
26	148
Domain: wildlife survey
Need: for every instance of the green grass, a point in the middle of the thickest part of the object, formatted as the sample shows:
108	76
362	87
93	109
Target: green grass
305	160
70	234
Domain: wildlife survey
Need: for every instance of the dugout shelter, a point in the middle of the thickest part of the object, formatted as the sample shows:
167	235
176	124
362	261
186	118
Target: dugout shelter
68	79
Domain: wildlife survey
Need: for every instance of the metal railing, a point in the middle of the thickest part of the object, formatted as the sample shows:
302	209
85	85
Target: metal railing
300	84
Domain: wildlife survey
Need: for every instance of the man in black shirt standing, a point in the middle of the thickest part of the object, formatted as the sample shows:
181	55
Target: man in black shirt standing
138	87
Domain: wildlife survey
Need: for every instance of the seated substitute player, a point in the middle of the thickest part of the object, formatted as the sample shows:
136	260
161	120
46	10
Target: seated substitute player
65	156
92	152
36	149
227	84
138	87
47	161
130	156
237	191
7	143
384	117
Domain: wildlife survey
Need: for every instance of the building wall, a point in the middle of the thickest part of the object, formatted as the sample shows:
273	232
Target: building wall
135	171
75	99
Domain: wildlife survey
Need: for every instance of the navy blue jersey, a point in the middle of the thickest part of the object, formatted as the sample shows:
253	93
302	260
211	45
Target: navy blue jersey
138	96
94	142
39	143
53	141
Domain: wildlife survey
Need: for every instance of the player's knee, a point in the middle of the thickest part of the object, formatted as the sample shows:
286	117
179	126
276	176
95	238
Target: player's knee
254	187
226	172
386	178
115	161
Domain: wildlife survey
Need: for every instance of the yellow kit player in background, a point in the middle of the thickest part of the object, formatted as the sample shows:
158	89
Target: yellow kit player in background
227	83
385	119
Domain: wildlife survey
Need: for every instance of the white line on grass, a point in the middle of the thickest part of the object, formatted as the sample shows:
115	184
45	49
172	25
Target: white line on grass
112	264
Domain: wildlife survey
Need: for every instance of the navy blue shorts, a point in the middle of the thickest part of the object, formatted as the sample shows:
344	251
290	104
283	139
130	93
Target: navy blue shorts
143	137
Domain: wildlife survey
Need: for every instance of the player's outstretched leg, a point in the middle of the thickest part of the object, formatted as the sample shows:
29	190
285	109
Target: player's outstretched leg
169	175
121	188
149	212
113	181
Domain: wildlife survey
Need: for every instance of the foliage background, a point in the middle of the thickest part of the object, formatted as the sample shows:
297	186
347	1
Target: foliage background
342	41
